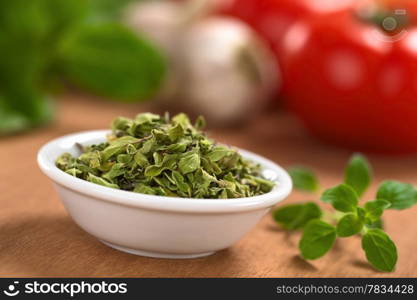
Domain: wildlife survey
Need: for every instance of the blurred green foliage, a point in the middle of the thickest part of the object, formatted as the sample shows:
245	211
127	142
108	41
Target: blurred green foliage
119	64
105	10
43	42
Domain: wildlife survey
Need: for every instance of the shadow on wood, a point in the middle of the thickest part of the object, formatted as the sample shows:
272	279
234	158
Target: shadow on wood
303	264
56	246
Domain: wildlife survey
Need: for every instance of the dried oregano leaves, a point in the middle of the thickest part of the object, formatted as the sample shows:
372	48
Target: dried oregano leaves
157	155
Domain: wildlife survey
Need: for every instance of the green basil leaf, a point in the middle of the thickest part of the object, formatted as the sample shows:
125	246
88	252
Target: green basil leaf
23	107
380	250
358	174
29	34
303	179
295	216
62	16
342	197
24	29
349	225
400	195
107	10
318	238
112	61
40	109
12	121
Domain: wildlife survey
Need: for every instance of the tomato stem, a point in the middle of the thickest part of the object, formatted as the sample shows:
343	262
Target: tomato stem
391	22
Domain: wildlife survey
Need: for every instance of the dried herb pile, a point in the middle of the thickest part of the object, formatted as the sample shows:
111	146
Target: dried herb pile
158	155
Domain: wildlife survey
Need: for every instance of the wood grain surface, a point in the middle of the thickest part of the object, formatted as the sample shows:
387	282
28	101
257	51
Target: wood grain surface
38	238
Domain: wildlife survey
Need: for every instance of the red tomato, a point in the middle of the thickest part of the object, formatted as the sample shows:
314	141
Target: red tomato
408	5
272	18
351	83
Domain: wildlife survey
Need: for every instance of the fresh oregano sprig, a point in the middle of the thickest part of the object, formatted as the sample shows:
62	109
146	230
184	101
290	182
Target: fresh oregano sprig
165	156
321	229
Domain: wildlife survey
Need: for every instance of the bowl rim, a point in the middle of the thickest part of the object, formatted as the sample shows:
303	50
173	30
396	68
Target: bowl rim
48	153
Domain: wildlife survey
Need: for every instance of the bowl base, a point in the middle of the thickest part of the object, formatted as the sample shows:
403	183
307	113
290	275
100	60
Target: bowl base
155	254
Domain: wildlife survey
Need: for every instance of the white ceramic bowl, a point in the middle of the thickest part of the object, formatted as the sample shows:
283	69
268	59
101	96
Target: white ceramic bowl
157	226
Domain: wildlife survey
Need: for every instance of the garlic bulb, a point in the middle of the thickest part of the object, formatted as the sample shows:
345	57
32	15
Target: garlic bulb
158	20
228	74
218	66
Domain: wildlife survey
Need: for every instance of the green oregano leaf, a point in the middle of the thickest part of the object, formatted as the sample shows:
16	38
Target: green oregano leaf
349	225
117	146
141	159
318	238
342	197
361	213
374	209
157	155
378	224
144	189
175	132
101	181
400	195
303	179
153	171
189	163
200	123
380	250
350	218
183	120
74	172
358	174
295	216
116	170
218	153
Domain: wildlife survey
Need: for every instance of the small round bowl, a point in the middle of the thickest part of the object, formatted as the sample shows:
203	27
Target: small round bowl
157	226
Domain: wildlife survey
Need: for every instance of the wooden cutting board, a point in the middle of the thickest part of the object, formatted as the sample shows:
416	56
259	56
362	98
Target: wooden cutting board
38	238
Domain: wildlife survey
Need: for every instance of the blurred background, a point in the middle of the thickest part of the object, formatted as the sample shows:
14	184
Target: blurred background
346	70
298	81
